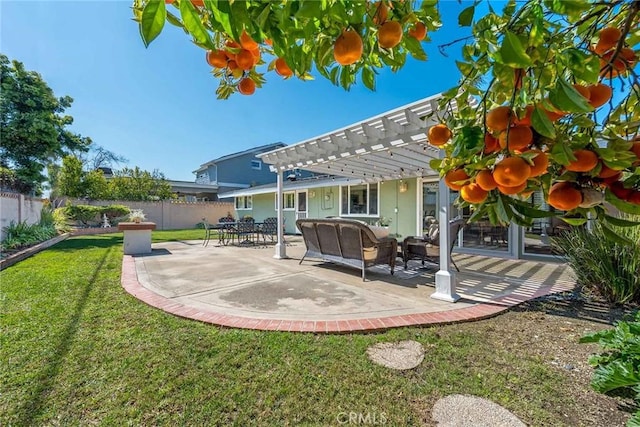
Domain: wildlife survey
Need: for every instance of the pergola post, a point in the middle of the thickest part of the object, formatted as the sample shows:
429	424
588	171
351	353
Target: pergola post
281	247
445	278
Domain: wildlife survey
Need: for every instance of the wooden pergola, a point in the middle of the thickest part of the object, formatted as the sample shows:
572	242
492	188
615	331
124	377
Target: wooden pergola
389	146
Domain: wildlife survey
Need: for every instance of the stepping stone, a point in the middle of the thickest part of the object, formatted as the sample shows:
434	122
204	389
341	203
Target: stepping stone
399	355
457	410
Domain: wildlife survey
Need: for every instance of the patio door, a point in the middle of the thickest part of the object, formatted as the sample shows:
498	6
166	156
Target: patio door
301	205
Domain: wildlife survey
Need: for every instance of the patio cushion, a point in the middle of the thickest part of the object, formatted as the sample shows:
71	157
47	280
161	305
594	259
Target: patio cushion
346	241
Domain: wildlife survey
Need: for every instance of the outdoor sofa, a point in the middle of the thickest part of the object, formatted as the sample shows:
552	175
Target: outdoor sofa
346	241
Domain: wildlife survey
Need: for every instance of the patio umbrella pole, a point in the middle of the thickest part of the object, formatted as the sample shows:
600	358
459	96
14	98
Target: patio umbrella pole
445	278
281	248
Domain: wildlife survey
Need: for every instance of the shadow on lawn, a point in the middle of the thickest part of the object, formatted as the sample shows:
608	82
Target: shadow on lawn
33	407
576	305
86	242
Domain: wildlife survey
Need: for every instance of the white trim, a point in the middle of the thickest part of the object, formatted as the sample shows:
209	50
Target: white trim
368	190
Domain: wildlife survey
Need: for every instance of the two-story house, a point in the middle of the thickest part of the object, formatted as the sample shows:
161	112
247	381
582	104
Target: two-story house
238	170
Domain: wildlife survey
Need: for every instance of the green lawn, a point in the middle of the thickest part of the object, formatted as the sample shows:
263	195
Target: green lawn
77	349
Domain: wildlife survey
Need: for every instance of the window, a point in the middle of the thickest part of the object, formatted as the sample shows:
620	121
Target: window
256	164
359	200
244	202
288	201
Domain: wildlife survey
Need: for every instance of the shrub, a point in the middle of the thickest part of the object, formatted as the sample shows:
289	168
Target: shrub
610	268
115	211
84	213
618	367
22	234
61	220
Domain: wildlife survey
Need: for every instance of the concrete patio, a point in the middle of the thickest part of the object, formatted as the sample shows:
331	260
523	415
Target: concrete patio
245	287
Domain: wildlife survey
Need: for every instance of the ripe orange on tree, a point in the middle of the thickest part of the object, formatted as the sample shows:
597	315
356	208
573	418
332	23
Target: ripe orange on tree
526	116
485	180
564	196
245	59
216	58
608	38
619	190
586	161
583	90
607	172
282	68
634	197
247	42
612	65
390	34
439	135
511	171
246	86
348	48
540	163
510	191
381	12
600	94
454	179
499	118
516	138
473	193
491	144
197	3
418	31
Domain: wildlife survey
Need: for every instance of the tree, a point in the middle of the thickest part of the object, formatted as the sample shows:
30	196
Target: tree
100	157
70	178
547	101
32	124
138	184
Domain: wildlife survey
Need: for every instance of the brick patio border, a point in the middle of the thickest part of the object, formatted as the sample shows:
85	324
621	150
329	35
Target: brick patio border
130	283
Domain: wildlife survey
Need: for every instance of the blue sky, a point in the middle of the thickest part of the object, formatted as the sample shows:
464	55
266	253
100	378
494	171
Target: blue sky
157	106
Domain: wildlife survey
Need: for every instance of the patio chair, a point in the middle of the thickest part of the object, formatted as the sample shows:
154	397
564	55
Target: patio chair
269	229
245	230
226	229
207	232
426	248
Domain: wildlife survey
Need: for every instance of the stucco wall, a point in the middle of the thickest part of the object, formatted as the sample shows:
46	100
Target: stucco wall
171	215
18	208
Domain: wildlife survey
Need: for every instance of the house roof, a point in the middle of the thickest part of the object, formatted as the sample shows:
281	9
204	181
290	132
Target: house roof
189	185
302	184
256	150
392	145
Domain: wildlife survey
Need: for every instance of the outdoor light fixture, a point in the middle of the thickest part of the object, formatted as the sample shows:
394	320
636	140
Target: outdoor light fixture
403	186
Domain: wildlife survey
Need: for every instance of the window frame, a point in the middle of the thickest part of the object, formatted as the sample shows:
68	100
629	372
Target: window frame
247	202
368	214
256	164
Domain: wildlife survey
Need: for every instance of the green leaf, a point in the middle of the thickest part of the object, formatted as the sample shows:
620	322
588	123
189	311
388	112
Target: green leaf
193	24
222	13
513	53
368	78
504	215
152	21
615	237
564	97
466	16
622	205
264	15
621	222
173	20
542	124
435	164
574	221
582	65
530	212
309	9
